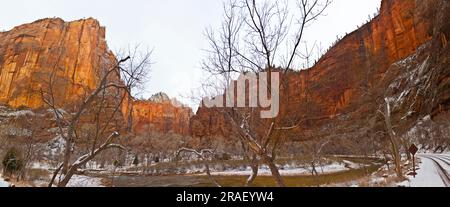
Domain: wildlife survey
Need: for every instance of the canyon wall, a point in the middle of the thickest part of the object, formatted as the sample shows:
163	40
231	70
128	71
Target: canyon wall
340	95
75	52
77	55
160	114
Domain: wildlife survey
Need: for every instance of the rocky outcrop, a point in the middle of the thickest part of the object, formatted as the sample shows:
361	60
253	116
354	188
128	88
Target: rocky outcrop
160	114
76	52
341	94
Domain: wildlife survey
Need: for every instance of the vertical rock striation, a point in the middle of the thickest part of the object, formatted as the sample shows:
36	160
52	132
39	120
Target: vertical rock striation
76	52
342	92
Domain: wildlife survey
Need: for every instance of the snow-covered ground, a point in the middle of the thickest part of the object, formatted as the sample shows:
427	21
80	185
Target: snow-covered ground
428	174
75	181
3	183
84	181
375	181
292	171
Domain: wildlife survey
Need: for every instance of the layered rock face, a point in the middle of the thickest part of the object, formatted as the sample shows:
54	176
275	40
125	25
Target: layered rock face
77	55
339	97
75	52
160	114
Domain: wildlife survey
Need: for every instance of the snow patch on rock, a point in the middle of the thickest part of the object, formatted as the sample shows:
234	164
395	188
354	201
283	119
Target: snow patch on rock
18	113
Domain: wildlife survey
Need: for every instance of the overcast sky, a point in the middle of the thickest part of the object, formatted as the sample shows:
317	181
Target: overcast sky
173	28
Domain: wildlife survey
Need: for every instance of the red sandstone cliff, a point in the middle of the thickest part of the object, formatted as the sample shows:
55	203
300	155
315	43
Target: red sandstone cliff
348	84
160	114
78	54
29	53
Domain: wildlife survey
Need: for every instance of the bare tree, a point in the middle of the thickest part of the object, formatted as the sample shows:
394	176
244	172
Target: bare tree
105	101
203	155
315	148
249	40
30	145
253	161
392	138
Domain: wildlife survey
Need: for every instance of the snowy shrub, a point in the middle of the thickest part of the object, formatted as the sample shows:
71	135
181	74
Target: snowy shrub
12	162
